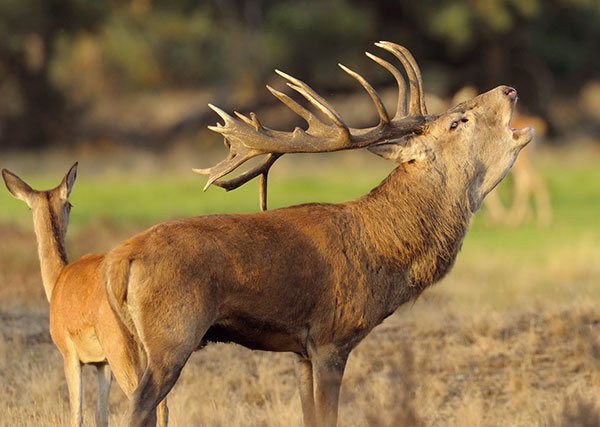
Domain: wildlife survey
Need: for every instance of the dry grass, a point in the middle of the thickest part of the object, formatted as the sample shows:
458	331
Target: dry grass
426	366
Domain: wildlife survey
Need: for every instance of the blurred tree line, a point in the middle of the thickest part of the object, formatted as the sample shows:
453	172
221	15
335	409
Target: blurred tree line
57	57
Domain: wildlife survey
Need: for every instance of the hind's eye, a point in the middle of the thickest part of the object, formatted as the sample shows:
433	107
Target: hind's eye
454	125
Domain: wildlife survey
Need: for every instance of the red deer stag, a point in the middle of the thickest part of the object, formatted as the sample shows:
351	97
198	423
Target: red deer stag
82	324
313	279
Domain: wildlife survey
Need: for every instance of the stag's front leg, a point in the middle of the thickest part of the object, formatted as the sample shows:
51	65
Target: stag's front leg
72	367
304	373
328	369
104	380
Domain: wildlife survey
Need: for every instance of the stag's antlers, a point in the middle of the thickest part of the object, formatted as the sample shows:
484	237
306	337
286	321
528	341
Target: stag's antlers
246	137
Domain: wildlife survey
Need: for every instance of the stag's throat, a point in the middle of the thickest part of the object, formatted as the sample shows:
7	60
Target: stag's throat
413	224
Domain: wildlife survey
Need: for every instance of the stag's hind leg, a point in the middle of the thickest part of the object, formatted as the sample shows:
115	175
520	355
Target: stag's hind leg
128	372
170	316
157	381
168	344
167	354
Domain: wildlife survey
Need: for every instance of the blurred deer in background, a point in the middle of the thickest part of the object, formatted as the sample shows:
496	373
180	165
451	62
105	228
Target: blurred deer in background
527	183
313	279
82	324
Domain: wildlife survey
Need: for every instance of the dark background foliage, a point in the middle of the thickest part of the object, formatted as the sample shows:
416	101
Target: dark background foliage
61	58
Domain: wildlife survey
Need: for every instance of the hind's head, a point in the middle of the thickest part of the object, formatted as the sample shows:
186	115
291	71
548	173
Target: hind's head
50	206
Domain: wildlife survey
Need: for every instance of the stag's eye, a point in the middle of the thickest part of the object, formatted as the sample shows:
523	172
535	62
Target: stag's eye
455	123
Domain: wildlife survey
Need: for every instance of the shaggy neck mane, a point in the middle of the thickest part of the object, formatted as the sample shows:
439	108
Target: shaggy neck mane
413	220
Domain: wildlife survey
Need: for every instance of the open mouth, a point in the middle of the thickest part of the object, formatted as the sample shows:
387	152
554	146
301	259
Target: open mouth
525	134
518	133
513	104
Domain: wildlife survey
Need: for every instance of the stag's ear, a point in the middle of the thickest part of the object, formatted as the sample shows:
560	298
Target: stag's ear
16	186
403	150
66	186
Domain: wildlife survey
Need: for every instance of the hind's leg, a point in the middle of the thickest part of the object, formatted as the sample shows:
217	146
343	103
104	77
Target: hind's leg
72	367
104	380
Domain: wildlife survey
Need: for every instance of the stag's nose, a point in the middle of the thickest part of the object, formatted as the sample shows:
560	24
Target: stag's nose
511	93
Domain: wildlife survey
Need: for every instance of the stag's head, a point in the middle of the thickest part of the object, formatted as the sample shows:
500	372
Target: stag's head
471	146
486	146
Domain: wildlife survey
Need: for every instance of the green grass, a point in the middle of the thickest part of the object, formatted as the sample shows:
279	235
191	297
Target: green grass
126	200
150	198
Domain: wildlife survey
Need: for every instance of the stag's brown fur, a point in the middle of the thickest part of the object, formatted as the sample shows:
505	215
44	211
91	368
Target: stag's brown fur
267	278
312	279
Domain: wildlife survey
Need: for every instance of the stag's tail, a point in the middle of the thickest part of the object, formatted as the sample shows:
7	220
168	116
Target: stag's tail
116	270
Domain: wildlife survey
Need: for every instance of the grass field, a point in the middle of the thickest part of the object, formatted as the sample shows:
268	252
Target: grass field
509	338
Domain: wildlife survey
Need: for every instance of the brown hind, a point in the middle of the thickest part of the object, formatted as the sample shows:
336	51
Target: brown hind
82	324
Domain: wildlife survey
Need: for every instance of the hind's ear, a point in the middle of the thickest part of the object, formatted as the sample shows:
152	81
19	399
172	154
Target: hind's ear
16	186
66	186
403	150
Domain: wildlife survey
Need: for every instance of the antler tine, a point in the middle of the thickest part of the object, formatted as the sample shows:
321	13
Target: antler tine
311	119
226	118
262	190
314	98
262	170
245	119
416	104
251	121
409	56
224	167
243	178
401	107
383	115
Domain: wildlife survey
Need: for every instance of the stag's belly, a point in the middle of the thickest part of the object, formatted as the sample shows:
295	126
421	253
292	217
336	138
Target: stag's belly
255	335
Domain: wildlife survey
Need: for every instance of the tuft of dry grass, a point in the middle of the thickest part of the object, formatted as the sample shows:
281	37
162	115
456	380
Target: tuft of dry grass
577	412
